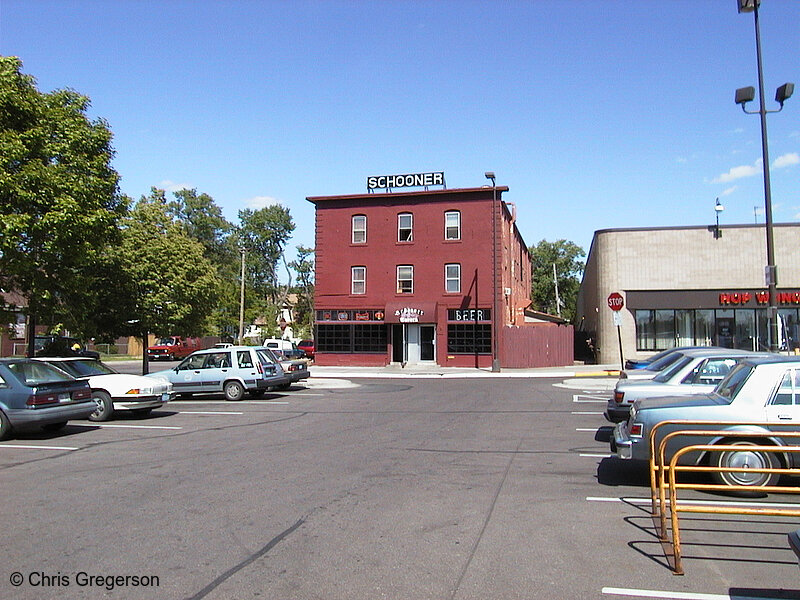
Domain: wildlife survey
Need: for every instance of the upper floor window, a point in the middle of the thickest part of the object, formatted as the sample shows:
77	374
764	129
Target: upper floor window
359	229
358	280
452	278
405	279
452	225
405	223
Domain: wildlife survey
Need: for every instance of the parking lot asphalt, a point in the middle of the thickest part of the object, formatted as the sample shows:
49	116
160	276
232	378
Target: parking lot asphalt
427	487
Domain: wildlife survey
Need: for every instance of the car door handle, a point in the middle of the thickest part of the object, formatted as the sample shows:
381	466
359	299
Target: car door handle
785	417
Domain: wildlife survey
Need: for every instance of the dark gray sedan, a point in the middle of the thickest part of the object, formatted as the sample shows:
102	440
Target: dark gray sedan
34	394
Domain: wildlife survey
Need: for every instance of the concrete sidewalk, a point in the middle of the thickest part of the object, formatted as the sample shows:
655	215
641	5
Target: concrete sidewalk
437	372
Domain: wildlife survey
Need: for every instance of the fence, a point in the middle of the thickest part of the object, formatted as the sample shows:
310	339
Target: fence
540	345
659	469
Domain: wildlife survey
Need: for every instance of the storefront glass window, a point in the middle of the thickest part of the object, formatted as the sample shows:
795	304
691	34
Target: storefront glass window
745	329
703	327
645	330
790	328
684	326
665	329
725	328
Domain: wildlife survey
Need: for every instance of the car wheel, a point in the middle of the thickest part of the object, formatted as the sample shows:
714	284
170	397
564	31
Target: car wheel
105	407
744	459
233	391
142	412
5	426
54	426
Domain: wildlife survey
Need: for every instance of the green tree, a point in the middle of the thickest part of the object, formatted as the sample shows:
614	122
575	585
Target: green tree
263	235
59	199
173	286
566	256
304	269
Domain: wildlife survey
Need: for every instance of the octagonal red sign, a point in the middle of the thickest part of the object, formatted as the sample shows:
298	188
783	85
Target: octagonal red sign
615	301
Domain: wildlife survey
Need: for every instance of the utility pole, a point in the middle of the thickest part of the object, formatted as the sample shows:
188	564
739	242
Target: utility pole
241	303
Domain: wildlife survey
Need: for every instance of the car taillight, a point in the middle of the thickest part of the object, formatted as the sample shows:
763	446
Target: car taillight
39	399
618	396
82	394
636	429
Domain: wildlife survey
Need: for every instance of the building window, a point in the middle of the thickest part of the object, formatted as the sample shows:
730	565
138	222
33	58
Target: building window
452	225
405	279
352	338
359	235
469	338
452	278
358	280
405	222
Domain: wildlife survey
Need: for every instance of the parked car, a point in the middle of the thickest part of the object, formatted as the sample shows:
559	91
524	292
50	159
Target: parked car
758	389
57	345
794	542
307	346
115	391
284	348
633	364
233	371
695	372
668	358
295	370
172	348
34	394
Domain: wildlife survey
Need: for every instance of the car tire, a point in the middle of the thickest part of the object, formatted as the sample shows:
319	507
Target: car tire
234	391
742	459
142	412
54	426
5	426
105	406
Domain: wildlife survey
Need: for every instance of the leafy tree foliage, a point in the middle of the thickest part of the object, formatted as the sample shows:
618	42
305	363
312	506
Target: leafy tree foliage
566	256
264	234
172	285
59	200
304	268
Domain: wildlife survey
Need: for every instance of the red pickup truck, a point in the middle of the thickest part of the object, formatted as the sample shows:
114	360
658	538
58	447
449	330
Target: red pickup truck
172	348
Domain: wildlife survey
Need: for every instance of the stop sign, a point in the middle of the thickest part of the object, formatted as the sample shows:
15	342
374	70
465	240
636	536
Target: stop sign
615	301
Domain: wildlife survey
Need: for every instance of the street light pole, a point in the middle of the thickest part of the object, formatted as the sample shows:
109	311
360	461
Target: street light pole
744	95
241	303
495	358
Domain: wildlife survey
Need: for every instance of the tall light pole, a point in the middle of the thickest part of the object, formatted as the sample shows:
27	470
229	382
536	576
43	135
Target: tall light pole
743	96
495	288
241	303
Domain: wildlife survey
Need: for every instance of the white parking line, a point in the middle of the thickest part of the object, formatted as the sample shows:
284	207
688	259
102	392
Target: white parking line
678	595
592	429
585	413
596	455
208	412
29	447
589	400
119	426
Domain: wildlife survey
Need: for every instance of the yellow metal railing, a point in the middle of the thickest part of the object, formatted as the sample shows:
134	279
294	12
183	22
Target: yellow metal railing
659	470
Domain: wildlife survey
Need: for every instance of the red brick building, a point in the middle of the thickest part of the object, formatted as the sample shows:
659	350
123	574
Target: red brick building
407	277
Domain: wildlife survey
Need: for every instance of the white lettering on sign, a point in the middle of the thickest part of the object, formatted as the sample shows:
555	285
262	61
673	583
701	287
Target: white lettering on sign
409	315
409	180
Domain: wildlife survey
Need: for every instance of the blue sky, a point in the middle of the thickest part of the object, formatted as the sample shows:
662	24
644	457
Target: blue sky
596	114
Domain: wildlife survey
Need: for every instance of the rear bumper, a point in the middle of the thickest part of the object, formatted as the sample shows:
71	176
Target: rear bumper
35	417
621	443
616	413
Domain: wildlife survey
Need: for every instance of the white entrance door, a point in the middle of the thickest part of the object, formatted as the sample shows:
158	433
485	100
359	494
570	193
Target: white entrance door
412	344
420	343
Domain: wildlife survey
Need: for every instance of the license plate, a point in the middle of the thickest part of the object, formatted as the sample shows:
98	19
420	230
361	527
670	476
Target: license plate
165	397
65	397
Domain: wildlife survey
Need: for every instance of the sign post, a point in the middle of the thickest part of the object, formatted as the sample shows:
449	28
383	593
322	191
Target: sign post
616	302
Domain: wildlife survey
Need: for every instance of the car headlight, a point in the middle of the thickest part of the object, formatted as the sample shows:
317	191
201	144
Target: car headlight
140	391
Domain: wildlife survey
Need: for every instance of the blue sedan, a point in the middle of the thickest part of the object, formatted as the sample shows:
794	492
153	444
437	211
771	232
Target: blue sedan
34	394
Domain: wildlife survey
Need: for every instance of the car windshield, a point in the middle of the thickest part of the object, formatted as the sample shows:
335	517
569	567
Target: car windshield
166	342
35	372
84	368
670	370
665	361
733	382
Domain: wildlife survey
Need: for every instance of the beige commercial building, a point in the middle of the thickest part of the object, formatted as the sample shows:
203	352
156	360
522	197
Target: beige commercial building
685	286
